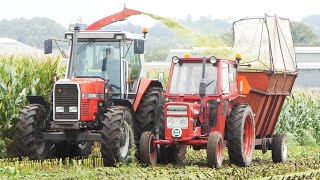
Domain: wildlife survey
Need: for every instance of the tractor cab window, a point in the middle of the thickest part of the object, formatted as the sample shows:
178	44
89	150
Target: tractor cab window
99	58
134	65
226	78
186	78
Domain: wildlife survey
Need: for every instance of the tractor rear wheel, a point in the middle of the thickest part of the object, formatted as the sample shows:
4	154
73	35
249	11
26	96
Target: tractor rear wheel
177	153
149	114
117	136
241	135
279	148
215	150
149	152
29	124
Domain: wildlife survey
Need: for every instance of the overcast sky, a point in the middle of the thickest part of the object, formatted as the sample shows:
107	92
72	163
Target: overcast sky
69	11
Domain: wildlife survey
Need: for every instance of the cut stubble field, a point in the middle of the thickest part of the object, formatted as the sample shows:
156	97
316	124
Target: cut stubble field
303	163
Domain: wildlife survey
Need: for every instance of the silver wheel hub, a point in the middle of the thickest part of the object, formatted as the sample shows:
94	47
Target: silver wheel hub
124	139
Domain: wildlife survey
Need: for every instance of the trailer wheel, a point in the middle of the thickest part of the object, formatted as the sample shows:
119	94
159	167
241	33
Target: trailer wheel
149	113
29	123
241	135
117	136
215	150
279	148
149	152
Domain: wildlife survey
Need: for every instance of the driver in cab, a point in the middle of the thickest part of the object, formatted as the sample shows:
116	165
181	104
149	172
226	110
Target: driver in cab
110	68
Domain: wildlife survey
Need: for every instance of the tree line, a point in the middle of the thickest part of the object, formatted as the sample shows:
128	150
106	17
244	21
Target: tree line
161	39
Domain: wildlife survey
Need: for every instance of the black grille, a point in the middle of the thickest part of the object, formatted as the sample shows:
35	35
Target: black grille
66	95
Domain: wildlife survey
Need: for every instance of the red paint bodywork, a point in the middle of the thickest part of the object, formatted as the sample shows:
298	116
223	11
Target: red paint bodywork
112	18
89	106
266	98
143	86
198	136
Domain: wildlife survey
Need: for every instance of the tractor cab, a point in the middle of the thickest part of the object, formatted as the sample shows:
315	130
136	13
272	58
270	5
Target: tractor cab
186	73
114	56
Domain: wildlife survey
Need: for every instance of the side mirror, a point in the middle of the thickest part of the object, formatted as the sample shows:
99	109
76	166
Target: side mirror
160	77
48	46
138	46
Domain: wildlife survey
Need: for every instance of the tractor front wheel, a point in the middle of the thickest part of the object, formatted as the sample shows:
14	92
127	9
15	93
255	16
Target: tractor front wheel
28	127
148	151
215	150
241	135
117	136
279	148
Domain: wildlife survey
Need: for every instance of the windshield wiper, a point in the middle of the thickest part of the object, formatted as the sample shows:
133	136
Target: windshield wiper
91	77
210	83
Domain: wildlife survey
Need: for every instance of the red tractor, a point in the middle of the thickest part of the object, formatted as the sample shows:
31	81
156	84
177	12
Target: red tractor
213	102
104	97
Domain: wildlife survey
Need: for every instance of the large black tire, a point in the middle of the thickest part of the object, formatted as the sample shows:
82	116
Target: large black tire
215	150
176	153
279	148
83	149
149	114
29	124
241	135
117	136
148	151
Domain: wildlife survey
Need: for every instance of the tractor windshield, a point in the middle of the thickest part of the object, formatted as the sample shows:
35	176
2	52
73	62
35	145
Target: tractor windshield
98	58
186	78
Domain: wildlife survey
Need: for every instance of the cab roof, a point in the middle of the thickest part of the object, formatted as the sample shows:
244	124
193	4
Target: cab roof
106	35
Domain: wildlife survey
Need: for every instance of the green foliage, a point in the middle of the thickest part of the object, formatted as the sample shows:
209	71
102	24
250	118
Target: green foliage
303	35
20	77
300	117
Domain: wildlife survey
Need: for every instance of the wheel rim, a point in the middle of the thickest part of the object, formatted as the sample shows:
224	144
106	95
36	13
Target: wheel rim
152	150
285	150
40	147
219	151
82	145
125	136
248	137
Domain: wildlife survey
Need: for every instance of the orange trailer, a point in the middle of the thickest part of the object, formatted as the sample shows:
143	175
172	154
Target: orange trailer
269	66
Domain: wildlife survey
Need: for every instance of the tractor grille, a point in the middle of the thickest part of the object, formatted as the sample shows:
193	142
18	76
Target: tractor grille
85	108
66	95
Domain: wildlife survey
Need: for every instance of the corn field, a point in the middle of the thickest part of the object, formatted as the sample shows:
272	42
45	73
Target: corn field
22	76
304	163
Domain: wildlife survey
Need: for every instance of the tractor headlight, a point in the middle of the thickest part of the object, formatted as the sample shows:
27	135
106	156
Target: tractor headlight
177	122
175	59
73	109
213	59
59	109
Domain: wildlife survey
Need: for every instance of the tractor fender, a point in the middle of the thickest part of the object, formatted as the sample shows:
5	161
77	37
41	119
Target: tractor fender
39	100
143	86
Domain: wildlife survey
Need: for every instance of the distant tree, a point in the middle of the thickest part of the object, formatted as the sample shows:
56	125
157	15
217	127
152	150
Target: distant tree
303	35
32	32
314	22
